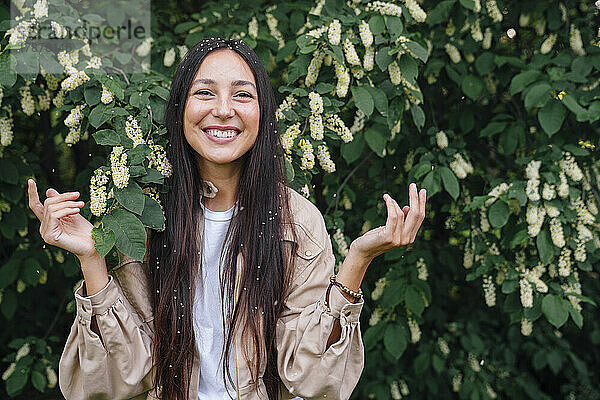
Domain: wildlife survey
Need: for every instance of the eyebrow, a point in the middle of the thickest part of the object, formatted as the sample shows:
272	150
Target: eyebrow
239	82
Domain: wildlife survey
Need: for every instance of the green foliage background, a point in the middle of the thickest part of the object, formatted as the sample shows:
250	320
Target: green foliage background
502	99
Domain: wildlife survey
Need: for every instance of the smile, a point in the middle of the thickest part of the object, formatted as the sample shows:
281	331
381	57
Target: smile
221	135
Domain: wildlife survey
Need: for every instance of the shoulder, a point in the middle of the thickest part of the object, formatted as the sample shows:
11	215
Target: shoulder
308	219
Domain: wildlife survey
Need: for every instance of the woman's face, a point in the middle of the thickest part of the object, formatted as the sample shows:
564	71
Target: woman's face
221	116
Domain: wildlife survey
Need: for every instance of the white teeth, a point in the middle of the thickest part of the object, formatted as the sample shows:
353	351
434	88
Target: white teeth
222	134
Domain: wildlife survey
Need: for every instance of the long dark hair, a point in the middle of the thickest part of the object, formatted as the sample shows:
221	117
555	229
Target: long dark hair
174	255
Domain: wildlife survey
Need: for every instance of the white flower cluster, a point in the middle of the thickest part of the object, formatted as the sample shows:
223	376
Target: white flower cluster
75	116
376	316
395	390
98	195
158	159
368	61
484	224
343	79
379	286
350	52
144	48
473	362
27	101
287	104
169	57
118	165
575	41
569	166
107	95
366	36
477	6
563	187
308	157
533	180
94	62
340	240
540	26
415	10
58	30
460	167
317	32
272	23
493	10
489	291
40	9
313	68
487	39
443	346
526	327
183	49
74	80
59	98
291	133
548	191
496	192
556	232
395	73
6	128
133	131
415	330
476	32
43	101
526	293
535	219
564	262
253	28
334	32
325	159
20	33
456	382
533	276
305	191
452	52
334	123
316	118
574	287
468	255
547	44
422	272
359	122
384	8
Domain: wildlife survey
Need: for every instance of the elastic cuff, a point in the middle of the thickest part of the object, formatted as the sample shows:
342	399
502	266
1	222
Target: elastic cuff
342	308
97	303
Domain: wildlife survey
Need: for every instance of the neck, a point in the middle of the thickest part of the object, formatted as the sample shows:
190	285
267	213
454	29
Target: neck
225	177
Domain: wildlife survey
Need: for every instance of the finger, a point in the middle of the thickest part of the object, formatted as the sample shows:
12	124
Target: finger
65	204
34	200
399	224
392	217
54	197
65	212
405	210
411	218
422	201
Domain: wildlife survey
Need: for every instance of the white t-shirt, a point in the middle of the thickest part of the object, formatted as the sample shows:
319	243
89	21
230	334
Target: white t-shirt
208	321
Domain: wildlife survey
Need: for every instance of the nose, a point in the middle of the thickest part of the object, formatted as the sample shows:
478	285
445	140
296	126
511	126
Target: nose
223	108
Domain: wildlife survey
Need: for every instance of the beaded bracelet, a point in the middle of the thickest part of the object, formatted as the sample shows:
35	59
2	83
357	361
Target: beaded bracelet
357	296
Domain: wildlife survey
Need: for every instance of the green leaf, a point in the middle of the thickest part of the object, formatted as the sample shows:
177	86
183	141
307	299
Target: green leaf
8	74
107	137
104	240
298	68
379	99
418	116
352	150
485	63
551	117
450	182
519	238
92	94
545	247
383	59
575	314
363	99
138	154
492	128
152	216
9	303
289	170
509	139
377	24
373	335
112	85
9	173
152	176
440	12
394	340
431	183
581	113
554	310
468	4
498	213
538	95
17	381
472	86
414	301
9	272
130	197
38	380
130	234
376	139
417	50
31	271
522	80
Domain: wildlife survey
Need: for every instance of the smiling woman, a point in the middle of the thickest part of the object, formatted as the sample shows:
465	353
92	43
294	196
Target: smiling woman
237	297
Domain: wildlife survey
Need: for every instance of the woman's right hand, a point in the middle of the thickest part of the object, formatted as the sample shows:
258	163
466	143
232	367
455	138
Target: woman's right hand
61	223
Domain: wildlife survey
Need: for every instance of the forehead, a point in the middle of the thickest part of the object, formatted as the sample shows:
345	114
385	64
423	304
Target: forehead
224	65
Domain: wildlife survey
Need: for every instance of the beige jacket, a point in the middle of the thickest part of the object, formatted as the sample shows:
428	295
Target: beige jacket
119	366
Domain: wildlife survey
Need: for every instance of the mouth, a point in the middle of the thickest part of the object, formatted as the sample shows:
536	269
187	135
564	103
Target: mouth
221	134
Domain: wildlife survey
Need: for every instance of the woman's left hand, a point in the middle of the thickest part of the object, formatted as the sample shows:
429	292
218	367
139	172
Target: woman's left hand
400	229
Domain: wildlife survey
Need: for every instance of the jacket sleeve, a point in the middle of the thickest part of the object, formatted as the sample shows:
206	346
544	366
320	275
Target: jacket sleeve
114	365
307	368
